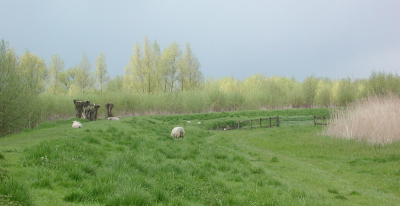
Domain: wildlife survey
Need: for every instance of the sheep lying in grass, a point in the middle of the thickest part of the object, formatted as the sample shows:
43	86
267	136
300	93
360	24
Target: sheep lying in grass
113	119
76	124
178	132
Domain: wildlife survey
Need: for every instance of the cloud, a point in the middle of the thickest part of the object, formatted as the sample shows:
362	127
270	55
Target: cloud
382	60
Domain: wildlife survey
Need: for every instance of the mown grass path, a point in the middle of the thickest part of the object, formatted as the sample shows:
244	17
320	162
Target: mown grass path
352	172
135	162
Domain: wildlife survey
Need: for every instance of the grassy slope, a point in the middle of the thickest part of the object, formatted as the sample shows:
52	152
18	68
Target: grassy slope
134	161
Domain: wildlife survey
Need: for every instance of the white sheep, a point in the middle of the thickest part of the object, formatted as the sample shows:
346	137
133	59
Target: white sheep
227	128
178	132
188	122
76	124
113	118
198	122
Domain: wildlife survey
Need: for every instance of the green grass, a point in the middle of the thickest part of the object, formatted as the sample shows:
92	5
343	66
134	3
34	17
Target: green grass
135	162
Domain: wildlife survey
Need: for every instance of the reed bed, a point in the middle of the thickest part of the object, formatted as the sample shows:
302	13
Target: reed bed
375	119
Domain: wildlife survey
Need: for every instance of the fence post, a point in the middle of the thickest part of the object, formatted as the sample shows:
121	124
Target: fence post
260	122
251	124
277	121
270	122
315	123
238	124
323	120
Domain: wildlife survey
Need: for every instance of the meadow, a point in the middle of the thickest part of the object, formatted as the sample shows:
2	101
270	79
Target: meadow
135	162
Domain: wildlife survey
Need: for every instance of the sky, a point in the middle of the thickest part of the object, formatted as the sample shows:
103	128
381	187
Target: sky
290	38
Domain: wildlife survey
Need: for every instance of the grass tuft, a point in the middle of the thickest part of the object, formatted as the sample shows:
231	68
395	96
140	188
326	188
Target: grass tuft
112	129
136	163
342	197
15	192
333	191
274	159
74	197
355	193
3	174
130	196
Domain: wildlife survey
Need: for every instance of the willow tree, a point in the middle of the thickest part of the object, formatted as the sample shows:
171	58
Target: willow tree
56	67
189	74
157	66
35	71
83	78
67	78
18	94
309	86
134	77
380	83
170	59
101	71
149	67
323	92
115	84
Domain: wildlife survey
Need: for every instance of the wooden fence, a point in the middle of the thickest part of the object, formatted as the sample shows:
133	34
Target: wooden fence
276	121
318	123
251	126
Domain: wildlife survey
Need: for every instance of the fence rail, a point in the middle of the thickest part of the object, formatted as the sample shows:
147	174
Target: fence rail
278	121
316	120
270	122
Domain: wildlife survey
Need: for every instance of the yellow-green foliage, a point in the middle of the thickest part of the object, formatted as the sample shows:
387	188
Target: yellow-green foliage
225	94
156	82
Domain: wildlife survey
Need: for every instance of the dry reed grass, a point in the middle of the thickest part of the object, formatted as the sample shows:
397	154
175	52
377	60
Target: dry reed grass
375	119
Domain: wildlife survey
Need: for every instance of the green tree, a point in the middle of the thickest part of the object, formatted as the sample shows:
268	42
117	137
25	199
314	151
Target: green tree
83	79
18	98
189	74
35	71
346	92
148	66
253	88
380	83
56	67
128	78
295	96
135	75
157	66
65	80
115	84
309	87
275	91
101	71
170	59
323	92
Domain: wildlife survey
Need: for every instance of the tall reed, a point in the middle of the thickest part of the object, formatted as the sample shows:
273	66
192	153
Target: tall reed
375	119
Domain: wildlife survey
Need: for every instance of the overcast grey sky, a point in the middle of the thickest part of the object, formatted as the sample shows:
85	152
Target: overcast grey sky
335	38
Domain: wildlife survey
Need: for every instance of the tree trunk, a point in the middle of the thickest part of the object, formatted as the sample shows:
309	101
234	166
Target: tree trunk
78	108
109	107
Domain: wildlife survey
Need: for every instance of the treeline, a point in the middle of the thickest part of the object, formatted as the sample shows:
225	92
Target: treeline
28	84
156	82
148	71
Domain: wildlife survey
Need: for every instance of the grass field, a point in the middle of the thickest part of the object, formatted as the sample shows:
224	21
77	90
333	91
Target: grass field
135	162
